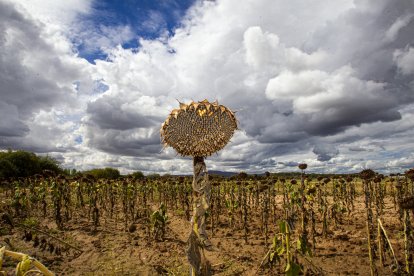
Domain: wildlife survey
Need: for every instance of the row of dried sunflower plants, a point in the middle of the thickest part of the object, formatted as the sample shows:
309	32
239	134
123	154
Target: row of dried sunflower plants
293	212
290	212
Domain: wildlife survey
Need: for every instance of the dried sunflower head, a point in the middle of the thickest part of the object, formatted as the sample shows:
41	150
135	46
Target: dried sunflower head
407	202
199	128
410	174
367	174
311	191
303	166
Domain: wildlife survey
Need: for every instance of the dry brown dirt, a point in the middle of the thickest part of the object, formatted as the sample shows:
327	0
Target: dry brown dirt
110	250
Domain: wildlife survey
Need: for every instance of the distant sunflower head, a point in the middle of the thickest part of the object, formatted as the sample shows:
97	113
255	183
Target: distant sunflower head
410	174
302	166
199	128
367	174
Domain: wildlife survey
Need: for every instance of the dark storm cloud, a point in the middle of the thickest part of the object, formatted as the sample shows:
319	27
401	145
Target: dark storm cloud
122	126
325	152
289	164
10	125
132	142
267	163
270	122
356	149
107	113
327	103
328	123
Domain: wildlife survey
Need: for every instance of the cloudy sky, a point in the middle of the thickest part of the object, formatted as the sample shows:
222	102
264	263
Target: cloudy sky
329	83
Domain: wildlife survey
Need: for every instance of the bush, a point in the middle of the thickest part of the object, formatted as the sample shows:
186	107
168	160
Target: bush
109	173
137	175
7	169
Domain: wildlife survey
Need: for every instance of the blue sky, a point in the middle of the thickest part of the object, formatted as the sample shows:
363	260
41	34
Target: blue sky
330	84
148	19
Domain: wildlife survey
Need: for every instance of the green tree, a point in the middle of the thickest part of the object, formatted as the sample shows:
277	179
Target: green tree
23	163
48	163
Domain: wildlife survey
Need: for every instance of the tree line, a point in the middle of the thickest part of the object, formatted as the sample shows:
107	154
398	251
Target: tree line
22	163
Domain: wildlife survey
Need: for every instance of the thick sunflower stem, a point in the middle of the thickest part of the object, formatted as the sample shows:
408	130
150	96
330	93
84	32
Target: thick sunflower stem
198	239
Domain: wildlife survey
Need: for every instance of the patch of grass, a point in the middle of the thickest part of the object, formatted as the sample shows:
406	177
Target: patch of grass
30	222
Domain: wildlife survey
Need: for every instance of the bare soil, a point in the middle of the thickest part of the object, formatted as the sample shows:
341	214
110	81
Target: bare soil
112	250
